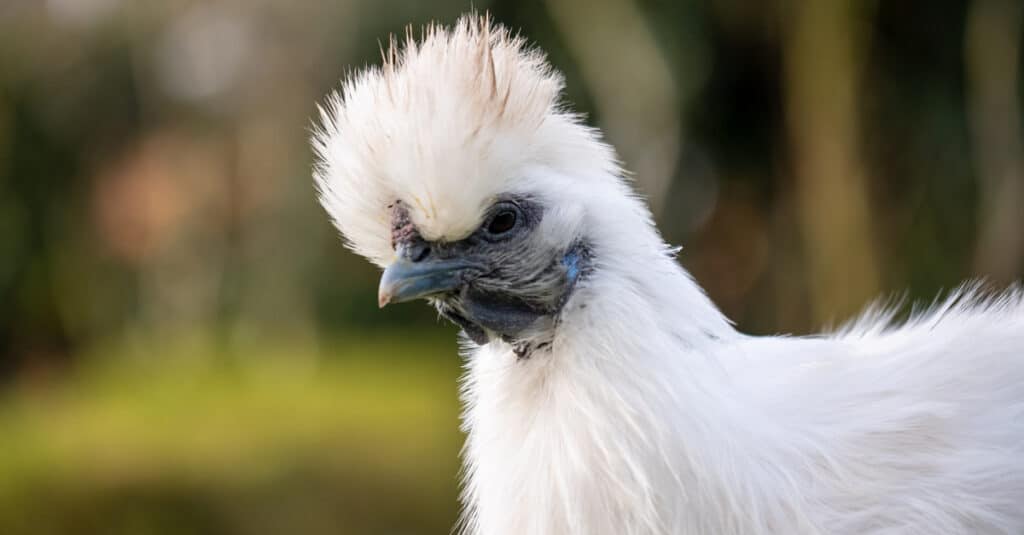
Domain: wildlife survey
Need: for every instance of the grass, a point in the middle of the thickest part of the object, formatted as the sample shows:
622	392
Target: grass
363	442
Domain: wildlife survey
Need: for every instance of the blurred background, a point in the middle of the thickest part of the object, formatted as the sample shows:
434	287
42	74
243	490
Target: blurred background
185	346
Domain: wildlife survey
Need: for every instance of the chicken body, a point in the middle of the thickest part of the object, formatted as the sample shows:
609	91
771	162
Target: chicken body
605	394
915	429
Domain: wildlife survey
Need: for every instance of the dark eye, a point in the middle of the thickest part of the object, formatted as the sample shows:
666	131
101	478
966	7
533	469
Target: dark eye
503	222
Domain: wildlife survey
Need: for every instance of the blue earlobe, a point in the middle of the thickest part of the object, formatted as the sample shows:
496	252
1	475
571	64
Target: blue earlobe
571	261
576	263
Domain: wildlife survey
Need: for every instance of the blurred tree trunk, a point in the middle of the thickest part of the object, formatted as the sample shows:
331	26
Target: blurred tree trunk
631	82
992	55
822	79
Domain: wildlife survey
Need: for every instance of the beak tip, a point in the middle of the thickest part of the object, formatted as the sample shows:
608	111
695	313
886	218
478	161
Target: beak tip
383	299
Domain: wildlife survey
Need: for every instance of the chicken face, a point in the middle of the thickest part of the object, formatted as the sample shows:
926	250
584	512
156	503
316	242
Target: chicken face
454	167
503	280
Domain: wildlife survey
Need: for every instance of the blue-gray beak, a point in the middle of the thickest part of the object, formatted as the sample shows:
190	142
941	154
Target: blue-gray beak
405	280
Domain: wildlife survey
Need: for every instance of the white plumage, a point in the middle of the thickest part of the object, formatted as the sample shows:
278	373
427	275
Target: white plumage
641	410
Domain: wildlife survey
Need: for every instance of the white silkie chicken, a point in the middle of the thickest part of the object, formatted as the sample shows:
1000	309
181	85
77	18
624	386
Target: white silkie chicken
604	392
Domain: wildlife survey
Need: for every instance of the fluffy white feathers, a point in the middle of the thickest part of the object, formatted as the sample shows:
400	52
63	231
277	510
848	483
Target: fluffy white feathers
649	414
444	125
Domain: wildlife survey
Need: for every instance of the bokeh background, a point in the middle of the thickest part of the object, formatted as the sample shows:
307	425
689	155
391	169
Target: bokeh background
185	346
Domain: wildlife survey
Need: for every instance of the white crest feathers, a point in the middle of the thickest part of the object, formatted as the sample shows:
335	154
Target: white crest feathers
444	125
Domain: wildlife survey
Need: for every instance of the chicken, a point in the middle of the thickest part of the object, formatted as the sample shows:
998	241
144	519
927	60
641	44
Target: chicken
604	392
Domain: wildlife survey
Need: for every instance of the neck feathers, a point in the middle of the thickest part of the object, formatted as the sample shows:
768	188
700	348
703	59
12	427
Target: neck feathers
587	402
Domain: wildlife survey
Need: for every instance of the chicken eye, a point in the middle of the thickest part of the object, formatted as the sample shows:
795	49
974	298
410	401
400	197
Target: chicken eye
502	222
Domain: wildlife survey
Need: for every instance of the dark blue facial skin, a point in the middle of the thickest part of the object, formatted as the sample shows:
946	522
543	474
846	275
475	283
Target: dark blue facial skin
497	282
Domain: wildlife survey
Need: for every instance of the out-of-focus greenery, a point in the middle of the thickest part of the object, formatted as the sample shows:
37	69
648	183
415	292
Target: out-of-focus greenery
186	347
282	441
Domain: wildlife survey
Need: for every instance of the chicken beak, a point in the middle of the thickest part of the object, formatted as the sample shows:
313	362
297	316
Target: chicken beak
405	280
